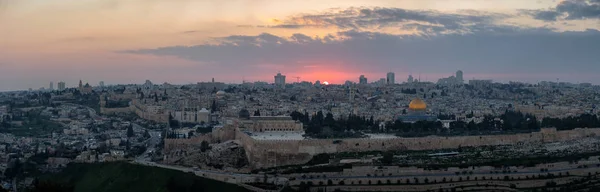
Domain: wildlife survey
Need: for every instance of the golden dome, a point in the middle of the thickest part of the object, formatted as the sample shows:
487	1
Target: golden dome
417	105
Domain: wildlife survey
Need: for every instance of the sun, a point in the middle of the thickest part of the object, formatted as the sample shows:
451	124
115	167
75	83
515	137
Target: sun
326	83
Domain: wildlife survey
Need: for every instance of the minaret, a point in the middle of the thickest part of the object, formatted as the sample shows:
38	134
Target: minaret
80	85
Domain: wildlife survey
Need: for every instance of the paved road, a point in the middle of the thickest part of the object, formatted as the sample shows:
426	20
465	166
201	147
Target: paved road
235	178
151	143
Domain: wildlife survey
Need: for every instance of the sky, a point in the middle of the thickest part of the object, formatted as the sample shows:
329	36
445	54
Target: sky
189	41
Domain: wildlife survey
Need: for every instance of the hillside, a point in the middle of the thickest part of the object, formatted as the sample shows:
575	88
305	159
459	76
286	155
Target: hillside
122	176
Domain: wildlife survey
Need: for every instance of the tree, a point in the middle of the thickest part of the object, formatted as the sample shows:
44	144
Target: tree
204	146
257	113
388	158
265	178
130	131
329	121
213	106
146	134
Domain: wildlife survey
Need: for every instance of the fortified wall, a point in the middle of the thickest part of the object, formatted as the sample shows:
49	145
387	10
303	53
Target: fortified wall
270	153
218	134
142	111
110	111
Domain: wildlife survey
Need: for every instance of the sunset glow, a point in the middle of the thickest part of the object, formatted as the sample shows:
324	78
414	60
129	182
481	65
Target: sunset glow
125	41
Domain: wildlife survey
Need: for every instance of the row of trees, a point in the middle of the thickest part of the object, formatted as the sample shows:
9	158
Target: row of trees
324	125
509	122
321	125
581	121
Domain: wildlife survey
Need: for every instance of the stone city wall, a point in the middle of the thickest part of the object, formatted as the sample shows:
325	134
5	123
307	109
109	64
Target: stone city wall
222	134
270	153
110	111
142	113
173	144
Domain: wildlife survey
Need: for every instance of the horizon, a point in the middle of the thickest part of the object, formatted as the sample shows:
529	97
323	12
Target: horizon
128	41
466	81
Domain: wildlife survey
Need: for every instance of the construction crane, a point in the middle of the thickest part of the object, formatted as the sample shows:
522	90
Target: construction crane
297	79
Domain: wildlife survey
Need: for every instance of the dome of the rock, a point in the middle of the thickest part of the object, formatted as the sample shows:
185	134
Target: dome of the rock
417	105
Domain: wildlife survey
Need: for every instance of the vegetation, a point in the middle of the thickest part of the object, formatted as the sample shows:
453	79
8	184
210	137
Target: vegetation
325	126
91	100
34	124
130	131
122	176
117	104
581	121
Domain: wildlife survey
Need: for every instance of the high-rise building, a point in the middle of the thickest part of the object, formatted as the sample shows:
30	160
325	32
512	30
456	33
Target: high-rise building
51	87
459	77
383	81
61	86
280	80
101	83
410	79
362	79
391	78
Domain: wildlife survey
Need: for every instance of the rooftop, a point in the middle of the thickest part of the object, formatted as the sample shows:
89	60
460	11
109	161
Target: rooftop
279	118
276	135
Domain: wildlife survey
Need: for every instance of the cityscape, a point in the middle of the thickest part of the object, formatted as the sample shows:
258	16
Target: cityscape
269	96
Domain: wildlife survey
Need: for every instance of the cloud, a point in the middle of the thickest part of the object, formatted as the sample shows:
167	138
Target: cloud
570	10
288	26
545	15
190	32
430	22
474	41
508	50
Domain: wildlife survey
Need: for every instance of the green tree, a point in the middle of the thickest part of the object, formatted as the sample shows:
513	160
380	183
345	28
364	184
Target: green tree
146	134
388	158
204	146
130	131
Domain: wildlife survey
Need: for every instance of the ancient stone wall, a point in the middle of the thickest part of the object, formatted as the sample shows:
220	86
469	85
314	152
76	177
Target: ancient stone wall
109	111
172	144
225	133
270	153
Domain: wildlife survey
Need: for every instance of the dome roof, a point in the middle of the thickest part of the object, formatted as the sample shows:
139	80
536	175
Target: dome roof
220	92
417	105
